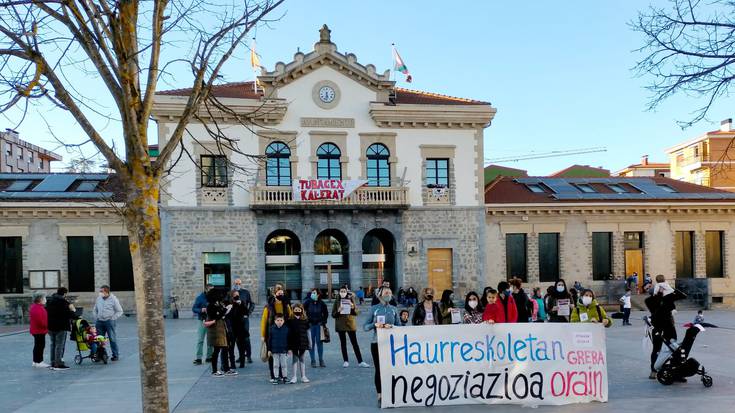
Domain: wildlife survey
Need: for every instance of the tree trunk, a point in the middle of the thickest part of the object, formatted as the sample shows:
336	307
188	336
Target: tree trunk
144	229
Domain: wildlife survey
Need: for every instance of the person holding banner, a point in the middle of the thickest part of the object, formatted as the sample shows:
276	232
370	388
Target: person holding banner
485	296
382	315
560	303
427	312
345	313
496	312
589	311
472	313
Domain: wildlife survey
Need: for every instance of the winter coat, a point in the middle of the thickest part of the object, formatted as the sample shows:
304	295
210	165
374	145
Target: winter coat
551	302
199	303
298	334
247	300
388	311
344	322
278	339
541	312
269	314
316	311
523	306
593	311
216	333
39	319
446	313
498	313
472	317
235	318
59	314
419	314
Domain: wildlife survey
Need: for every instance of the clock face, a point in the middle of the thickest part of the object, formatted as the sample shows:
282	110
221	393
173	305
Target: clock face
326	94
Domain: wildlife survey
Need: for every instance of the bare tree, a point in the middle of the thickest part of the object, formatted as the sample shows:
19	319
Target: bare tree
690	49
48	52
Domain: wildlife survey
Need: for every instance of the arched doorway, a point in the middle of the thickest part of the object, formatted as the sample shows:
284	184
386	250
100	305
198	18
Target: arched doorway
378	259
331	255
283	262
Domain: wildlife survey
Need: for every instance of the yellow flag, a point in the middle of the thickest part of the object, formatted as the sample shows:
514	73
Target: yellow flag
254	59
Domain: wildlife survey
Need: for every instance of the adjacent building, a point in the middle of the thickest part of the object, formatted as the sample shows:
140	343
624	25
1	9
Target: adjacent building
342	178
18	156
581	171
595	229
646	169
706	160
62	230
494	171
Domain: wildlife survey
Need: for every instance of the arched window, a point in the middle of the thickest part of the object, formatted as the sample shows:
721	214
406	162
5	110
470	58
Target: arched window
328	166
278	164
378	170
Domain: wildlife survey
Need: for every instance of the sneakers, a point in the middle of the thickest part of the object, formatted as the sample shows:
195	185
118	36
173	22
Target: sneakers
274	381
114	358
293	380
321	363
42	365
218	374
231	373
652	376
250	361
197	362
313	364
346	364
61	366
304	379
364	365
284	380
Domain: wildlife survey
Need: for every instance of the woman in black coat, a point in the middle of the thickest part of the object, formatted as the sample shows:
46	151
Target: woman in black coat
427	312
298	341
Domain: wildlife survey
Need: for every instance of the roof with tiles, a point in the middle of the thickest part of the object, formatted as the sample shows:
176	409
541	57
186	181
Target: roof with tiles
61	187
245	90
508	190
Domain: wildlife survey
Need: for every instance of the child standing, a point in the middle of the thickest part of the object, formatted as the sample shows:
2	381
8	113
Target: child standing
494	311
298	342
278	349
625	301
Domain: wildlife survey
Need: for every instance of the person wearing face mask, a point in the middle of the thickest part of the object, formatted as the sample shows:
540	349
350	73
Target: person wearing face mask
277	304
106	311
376	297
589	311
427	312
236	329
472	313
524	307
298	342
249	306
559	303
39	327
507	302
318	315
383	315
345	313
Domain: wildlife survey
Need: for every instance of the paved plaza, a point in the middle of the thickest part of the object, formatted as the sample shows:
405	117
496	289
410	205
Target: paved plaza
115	387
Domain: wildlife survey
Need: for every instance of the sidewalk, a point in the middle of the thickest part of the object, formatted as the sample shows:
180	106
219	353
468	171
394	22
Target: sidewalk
115	387
13	329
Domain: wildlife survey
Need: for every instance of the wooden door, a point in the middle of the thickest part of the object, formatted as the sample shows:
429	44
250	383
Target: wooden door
634	263
440	269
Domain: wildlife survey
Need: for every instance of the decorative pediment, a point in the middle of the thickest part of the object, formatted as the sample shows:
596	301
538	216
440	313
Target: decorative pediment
324	54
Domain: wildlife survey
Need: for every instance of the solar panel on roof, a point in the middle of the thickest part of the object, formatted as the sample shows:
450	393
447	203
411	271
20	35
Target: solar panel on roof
18	186
55	183
87	186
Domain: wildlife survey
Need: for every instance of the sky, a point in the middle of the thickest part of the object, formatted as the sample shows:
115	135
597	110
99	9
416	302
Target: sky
559	73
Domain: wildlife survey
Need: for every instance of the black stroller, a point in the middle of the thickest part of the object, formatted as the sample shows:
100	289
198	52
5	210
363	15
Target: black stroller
673	362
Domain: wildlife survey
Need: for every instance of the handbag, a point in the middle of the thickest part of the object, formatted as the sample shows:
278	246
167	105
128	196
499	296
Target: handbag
324	334
263	352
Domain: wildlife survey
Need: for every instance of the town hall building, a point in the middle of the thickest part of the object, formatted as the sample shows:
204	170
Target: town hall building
342	177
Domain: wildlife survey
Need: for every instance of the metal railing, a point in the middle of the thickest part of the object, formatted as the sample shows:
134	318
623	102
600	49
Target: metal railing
280	196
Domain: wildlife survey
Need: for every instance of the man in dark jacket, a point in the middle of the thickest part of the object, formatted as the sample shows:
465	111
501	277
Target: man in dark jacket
200	312
60	313
247	302
523	304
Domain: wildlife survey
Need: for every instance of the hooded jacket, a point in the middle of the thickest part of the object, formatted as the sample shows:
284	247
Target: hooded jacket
59	314
591	313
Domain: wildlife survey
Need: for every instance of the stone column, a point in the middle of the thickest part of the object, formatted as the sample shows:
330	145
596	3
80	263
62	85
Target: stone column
532	267
355	270
700	255
308	280
262	294
618	252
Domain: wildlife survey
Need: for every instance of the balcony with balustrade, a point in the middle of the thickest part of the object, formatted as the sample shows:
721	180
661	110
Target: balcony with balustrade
365	197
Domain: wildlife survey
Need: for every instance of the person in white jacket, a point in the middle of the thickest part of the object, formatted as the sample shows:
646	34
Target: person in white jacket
106	311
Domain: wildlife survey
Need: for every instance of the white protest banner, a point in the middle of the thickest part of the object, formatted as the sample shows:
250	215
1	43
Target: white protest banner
324	189
526	363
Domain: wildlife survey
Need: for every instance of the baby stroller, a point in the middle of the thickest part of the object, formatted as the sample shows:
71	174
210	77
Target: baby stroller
79	334
673	362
